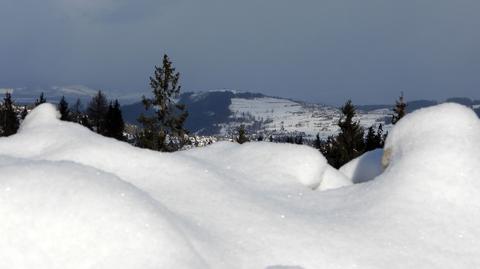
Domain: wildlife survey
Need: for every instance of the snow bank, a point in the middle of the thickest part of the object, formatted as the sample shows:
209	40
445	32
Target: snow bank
64	215
241	206
365	167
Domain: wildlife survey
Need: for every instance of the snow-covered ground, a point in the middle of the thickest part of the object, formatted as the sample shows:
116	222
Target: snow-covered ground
279	115
72	199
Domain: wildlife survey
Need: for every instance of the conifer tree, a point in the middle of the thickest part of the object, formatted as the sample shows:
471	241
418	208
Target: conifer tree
8	116
374	140
329	150
349	143
85	122
370	139
399	110
114	124
169	117
76	113
242	135
64	110
318	142
40	99
96	111
24	113
379	136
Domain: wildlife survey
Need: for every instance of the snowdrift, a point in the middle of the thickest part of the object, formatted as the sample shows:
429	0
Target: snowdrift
72	199
365	167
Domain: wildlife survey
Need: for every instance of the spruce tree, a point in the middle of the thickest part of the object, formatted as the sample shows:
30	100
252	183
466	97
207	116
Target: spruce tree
96	111
399	110
40	99
8	116
85	122
242	135
318	142
379	137
329	150
169	117
64	110
374	139
349	143
24	113
114	124
370	139
76	113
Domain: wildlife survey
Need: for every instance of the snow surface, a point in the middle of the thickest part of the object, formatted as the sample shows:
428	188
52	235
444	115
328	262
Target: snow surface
365	167
282	116
72	199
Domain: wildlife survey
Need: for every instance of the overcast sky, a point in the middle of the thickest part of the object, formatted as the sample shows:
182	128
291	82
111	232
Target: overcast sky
319	50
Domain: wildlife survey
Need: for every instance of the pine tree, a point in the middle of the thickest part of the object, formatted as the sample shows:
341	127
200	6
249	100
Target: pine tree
85	122
329	150
318	142
64	110
114	124
399	110
349	143
242	135
24	113
76	113
374	139
40	100
379	137
169	117
96	111
8	117
370	139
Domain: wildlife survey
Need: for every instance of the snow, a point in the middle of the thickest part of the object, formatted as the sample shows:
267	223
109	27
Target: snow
284	116
365	167
255	205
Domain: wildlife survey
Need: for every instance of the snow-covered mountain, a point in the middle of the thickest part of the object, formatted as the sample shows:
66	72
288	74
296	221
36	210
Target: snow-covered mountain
28	95
222	112
273	115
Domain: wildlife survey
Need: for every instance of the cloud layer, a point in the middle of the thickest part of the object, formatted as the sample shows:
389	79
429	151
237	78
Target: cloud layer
324	51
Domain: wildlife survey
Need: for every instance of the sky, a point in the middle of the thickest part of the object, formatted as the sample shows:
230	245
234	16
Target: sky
323	51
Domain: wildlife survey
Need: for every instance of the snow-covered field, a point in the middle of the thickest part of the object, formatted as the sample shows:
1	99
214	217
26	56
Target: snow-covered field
72	199
280	115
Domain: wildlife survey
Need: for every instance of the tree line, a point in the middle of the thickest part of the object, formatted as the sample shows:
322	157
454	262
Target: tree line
102	116
351	141
164	130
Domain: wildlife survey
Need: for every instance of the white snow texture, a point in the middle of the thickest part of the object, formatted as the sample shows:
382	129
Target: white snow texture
72	199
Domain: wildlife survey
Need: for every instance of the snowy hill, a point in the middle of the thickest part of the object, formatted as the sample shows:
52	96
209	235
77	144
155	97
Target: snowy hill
70	198
222	112
71	93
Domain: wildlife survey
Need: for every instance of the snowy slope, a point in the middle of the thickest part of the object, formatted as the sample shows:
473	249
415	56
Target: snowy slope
239	206
284	116
71	92
221	112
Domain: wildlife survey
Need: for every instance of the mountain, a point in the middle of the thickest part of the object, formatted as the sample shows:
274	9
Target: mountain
28	95
222	112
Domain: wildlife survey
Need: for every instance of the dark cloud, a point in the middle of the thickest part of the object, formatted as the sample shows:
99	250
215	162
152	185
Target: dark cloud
327	50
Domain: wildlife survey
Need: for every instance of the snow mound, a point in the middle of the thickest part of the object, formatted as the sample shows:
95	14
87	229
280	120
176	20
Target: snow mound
291	163
240	206
365	167
64	215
